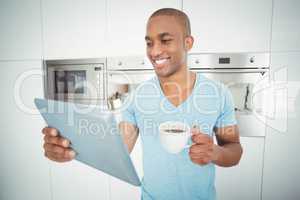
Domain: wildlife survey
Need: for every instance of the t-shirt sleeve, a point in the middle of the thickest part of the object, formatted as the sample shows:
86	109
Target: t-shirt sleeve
128	110
227	113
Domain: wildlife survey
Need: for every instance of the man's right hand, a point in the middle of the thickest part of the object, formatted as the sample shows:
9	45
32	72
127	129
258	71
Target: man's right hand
56	147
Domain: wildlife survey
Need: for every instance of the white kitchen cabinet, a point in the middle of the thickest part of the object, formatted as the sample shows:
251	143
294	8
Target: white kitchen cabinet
281	172
75	180
122	190
24	172
74	29
244	180
230	26
20	24
127	24
286	26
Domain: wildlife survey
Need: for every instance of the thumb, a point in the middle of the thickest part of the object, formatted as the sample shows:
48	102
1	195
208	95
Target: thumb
195	131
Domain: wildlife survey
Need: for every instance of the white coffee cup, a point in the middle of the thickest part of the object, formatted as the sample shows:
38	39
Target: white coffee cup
174	136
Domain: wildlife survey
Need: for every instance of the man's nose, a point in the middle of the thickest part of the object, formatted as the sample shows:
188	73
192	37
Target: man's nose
156	50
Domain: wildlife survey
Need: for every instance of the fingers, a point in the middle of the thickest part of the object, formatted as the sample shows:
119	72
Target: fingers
201	157
200	161
201	153
196	131
57	157
52	137
202	139
197	149
57	140
50	131
58	153
56	147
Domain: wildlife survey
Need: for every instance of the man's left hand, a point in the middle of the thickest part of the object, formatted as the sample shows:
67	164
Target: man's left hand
203	151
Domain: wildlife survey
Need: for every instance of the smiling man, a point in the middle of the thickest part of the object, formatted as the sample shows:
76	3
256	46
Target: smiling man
175	94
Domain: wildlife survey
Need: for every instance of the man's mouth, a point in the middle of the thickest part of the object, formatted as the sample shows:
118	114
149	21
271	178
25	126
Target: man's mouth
160	62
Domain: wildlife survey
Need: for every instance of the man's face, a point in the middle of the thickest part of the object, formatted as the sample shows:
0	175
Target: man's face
167	45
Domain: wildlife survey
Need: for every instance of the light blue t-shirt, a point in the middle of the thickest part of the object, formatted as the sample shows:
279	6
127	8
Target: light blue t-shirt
174	176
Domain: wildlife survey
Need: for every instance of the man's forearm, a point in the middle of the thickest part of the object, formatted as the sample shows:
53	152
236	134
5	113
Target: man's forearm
129	135
227	155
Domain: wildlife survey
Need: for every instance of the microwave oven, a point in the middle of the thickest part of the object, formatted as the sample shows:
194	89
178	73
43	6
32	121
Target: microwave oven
80	80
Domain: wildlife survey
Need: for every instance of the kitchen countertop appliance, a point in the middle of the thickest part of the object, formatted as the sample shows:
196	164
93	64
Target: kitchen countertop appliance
75	80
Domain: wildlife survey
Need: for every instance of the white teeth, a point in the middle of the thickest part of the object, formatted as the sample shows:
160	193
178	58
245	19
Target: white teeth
161	61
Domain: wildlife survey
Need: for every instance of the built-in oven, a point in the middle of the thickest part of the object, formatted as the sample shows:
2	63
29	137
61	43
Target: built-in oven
244	74
79	80
124	74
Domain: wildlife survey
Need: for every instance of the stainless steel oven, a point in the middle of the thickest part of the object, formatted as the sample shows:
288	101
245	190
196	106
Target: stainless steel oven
80	80
246	75
124	74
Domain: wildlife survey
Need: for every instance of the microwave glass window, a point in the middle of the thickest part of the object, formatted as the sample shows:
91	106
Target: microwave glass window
71	82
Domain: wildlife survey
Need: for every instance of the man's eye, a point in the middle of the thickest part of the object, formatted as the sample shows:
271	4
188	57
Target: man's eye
165	41
149	44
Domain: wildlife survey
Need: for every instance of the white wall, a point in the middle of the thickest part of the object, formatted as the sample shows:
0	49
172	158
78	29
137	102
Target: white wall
127	24
285	26
74	29
231	25
281	170
24	173
20	23
34	30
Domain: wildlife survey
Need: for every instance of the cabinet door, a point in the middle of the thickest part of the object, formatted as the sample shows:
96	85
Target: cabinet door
77	181
244	180
122	190
286	26
24	171
127	24
20	23
74	29
230	26
282	164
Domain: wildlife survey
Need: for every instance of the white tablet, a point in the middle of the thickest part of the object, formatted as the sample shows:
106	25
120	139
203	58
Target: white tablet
94	136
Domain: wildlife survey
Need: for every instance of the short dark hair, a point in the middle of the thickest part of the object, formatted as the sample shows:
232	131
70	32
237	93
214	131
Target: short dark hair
183	18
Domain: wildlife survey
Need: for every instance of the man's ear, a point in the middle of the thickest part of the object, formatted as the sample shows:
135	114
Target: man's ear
188	43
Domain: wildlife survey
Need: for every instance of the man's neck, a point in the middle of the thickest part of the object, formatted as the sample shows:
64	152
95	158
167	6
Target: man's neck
181	80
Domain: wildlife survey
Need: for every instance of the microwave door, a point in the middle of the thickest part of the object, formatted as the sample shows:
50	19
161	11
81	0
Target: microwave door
75	82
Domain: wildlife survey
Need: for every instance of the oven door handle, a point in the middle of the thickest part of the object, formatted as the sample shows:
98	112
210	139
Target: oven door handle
204	70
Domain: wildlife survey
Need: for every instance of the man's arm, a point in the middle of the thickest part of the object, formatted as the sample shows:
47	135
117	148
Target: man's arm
228	152
58	148
129	134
